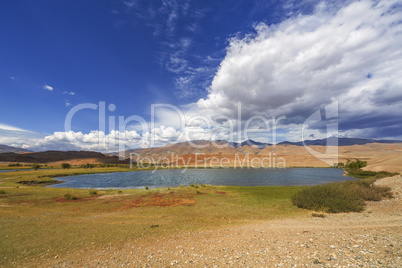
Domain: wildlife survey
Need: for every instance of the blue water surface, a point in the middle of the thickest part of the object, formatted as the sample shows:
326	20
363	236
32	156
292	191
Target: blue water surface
229	176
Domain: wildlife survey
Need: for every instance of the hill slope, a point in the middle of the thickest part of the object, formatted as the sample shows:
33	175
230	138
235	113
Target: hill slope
56	156
10	149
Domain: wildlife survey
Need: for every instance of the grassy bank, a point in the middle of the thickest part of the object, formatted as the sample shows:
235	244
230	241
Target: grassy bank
39	222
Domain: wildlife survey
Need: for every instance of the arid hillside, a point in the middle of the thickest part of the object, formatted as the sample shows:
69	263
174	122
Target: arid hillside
57	157
380	156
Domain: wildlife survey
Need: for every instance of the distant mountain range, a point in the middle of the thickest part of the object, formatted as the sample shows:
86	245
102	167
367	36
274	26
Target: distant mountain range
251	143
320	142
10	149
341	142
248	146
221	147
208	152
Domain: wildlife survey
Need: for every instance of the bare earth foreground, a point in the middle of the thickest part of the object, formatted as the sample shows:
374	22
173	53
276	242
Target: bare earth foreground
369	239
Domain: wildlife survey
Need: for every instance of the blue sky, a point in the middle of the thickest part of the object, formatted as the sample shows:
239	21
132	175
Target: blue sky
277	58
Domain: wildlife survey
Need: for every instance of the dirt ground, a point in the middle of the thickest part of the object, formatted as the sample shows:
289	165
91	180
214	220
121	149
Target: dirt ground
372	238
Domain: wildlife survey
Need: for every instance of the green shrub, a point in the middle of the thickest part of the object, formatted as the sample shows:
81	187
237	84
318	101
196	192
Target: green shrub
330	198
36	166
192	184
146	187
357	164
70	197
120	192
15	165
65	166
2	192
93	192
348	196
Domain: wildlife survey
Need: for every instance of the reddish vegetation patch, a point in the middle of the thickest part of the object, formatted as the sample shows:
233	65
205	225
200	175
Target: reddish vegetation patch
158	200
220	192
64	200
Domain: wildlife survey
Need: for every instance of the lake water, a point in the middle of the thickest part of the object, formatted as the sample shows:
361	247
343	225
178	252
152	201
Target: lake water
177	177
11	170
6	170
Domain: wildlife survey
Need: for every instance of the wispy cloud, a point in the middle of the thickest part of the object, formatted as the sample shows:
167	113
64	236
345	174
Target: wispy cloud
165	18
47	87
71	93
194	81
161	15
11	128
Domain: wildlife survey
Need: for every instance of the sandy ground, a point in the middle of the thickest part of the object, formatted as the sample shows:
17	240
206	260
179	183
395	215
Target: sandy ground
372	238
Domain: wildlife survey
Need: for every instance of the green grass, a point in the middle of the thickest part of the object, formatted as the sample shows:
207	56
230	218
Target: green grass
370	174
37	177
41	222
93	192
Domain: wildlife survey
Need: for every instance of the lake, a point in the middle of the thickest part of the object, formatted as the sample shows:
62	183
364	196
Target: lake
7	170
230	176
11	170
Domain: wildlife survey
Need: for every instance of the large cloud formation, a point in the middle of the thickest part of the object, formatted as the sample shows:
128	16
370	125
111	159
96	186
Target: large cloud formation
352	55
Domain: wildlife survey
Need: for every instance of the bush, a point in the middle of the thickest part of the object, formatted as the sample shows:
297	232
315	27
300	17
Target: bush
357	164
36	166
93	192
88	166
2	192
65	165
348	196
146	187
70	197
15	165
330	198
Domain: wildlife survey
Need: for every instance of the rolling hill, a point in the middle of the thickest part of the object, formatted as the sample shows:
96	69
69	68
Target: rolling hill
78	157
10	149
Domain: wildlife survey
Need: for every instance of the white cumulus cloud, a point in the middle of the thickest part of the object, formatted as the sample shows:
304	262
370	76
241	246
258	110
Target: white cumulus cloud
296	67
